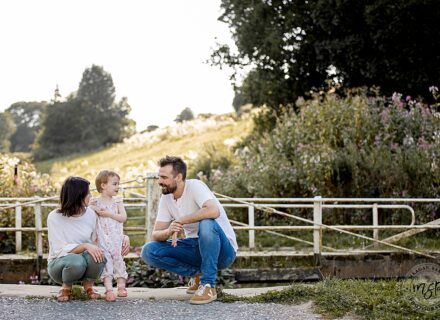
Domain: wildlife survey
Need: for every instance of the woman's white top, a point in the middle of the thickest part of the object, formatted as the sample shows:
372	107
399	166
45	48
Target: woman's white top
66	233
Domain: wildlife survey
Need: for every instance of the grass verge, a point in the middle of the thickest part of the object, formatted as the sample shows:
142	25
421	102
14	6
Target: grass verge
334	298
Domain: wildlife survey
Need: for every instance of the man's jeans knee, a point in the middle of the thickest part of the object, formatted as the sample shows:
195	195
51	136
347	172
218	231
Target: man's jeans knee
148	252
183	259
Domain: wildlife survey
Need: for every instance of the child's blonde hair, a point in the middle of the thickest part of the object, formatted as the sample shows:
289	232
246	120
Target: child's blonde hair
103	176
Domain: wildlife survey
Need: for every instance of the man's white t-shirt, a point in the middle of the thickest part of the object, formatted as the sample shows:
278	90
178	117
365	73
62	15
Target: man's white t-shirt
195	194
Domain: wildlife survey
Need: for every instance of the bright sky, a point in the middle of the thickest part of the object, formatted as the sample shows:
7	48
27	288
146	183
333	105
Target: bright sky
154	50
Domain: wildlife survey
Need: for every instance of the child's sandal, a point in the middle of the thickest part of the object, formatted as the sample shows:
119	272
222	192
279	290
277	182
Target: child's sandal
63	295
122	292
92	294
110	296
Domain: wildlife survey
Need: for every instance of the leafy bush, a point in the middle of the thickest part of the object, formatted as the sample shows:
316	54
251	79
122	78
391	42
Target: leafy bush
143	275
363	145
27	183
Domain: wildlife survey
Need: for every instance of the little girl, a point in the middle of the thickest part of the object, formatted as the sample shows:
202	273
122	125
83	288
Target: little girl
112	215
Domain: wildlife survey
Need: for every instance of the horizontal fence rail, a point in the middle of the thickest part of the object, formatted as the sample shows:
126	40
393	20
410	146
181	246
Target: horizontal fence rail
252	205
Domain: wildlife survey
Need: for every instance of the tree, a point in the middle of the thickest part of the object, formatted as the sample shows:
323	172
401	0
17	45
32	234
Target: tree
292	45
7	129
27	118
63	131
89	119
151	128
97	88
185	115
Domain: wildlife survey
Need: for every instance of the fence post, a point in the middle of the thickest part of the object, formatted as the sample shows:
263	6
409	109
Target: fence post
39	237
153	196
38	229
375	224
18	224
317	235
251	222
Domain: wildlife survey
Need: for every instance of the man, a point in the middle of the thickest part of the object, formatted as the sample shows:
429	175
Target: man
209	244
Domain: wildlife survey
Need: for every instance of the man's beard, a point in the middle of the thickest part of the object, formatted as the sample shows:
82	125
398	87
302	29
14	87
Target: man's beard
168	189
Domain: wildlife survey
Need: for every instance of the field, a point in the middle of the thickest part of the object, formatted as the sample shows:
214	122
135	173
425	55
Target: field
139	154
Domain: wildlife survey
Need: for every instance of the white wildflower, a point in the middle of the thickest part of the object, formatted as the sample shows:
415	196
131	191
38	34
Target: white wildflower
408	140
191	154
230	141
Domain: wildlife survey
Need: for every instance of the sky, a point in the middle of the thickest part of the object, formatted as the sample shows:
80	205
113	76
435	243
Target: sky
156	52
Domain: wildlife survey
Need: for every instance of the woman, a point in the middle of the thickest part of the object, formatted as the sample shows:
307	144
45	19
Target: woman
73	253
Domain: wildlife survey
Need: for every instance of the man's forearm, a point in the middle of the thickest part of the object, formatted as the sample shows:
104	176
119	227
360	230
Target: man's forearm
160	235
202	214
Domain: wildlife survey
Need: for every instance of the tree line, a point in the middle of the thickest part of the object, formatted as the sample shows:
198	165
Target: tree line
292	47
87	119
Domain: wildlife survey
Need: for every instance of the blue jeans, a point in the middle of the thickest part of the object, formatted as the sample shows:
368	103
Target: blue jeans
206	254
75	267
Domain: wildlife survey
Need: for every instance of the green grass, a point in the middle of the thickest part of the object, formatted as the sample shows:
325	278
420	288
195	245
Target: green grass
336	298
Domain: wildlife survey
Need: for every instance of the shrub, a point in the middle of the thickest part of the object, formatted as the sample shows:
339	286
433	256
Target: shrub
27	183
361	145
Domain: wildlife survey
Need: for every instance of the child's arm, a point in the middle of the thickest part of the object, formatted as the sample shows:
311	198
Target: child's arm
121	212
107	214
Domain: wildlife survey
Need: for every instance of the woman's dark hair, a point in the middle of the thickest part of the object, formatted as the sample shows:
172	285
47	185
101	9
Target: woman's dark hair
73	193
179	166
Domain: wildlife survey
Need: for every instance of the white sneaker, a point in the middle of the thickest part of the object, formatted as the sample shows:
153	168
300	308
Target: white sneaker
204	294
193	285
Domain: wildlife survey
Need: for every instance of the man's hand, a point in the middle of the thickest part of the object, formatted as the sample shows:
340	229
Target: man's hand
174	228
96	252
125	245
174	240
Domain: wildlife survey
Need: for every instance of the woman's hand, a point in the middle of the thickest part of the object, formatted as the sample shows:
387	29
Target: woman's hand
96	252
125	245
103	213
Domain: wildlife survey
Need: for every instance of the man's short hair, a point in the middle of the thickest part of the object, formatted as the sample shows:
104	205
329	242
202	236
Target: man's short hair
102	177
179	166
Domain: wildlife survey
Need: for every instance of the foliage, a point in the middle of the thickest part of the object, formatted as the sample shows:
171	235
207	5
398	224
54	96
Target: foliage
27	183
7	129
88	120
336	298
185	115
97	88
214	160
359	146
292	47
150	128
27	117
143	275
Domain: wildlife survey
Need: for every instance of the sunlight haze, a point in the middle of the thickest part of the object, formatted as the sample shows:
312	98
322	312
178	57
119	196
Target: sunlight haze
155	51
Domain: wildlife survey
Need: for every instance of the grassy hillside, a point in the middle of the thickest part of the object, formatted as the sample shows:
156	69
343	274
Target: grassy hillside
140	153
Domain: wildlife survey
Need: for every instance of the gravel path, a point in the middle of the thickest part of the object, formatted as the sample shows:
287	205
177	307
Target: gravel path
47	309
